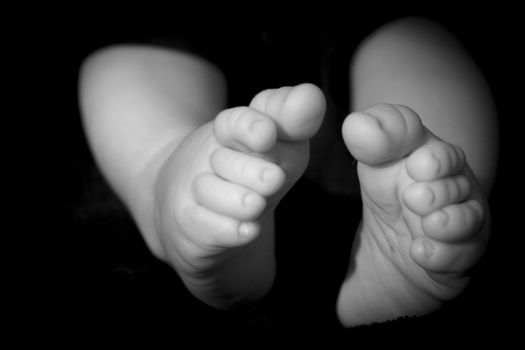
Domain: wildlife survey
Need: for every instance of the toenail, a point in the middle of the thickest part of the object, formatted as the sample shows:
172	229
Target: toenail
437	164
428	248
429	196
254	127
375	119
249	199
244	230
266	175
443	217
247	229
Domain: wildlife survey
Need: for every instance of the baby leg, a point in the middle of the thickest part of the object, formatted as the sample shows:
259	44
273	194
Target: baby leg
424	171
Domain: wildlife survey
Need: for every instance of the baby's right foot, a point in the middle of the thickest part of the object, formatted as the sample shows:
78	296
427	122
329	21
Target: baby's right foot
216	193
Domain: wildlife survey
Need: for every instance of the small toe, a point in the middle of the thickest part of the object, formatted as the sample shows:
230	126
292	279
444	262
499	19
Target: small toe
442	257
255	173
424	198
207	228
227	198
456	222
434	160
245	129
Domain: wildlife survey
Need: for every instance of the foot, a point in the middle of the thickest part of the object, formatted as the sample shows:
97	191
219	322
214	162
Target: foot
217	191
425	219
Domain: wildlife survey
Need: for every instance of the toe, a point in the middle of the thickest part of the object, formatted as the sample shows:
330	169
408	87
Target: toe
424	198
255	173
227	198
207	228
434	160
456	222
442	257
383	133
245	129
298	111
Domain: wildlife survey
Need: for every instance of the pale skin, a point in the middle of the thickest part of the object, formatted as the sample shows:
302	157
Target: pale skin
202	181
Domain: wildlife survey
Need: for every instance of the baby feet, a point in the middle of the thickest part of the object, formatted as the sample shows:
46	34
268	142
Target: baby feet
425	219
216	193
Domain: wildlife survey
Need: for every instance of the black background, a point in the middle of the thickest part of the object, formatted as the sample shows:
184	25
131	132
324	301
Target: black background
83	270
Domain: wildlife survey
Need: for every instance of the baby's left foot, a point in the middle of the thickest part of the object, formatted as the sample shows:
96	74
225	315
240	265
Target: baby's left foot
425	219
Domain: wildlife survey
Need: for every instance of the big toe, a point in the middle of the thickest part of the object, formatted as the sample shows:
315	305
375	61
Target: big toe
298	111
383	133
